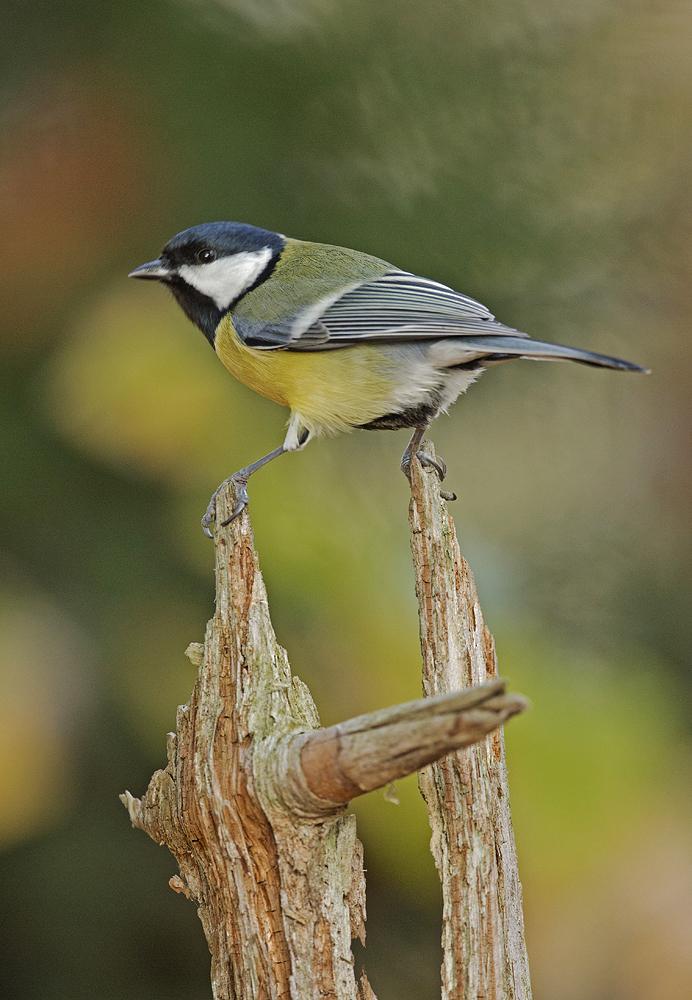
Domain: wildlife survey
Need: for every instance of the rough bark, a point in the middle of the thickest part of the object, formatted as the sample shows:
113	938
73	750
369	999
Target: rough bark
373	750
252	801
279	897
467	792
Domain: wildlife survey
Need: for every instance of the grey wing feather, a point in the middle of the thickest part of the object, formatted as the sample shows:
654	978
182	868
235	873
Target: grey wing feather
398	307
539	350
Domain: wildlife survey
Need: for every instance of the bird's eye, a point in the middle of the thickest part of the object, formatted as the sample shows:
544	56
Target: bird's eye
206	255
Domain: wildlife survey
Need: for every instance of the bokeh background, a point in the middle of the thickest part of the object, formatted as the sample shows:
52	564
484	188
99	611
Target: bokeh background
535	155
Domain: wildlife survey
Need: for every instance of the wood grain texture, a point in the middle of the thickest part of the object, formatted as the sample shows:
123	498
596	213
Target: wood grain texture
372	750
252	802
466	793
279	896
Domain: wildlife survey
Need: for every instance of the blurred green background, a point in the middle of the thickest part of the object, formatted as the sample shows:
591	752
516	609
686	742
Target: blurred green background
536	155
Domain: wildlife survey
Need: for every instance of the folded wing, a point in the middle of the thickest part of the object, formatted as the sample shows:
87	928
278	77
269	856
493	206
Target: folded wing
397	307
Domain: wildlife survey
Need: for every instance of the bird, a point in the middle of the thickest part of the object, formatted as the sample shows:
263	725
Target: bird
342	338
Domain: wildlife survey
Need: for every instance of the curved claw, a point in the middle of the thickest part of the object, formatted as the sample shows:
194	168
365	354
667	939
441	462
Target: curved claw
438	464
242	499
210	514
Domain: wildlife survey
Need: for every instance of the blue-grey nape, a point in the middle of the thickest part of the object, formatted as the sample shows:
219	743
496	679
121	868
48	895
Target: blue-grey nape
226	238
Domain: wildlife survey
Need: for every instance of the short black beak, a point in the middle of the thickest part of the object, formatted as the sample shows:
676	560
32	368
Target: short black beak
155	270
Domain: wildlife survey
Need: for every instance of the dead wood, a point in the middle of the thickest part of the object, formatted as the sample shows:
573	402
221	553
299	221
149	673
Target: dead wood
253	800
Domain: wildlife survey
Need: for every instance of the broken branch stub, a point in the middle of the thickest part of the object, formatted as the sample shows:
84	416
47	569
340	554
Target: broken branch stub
252	801
466	792
373	750
279	898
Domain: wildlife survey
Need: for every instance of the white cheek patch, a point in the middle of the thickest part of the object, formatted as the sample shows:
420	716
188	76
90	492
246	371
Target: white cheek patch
225	279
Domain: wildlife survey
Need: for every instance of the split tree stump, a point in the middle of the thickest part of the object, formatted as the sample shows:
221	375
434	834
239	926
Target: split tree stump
253	800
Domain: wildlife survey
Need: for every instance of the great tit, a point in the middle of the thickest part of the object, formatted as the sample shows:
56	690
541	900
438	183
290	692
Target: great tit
342	338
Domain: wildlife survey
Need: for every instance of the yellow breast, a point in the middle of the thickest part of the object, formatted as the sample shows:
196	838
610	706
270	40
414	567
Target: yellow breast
330	390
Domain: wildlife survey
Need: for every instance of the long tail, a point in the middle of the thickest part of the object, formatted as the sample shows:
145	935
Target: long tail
523	347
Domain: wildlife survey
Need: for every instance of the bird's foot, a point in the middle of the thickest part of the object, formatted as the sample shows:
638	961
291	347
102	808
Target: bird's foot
428	462
241	497
242	500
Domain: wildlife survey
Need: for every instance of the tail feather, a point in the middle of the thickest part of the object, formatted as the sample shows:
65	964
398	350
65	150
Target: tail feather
538	350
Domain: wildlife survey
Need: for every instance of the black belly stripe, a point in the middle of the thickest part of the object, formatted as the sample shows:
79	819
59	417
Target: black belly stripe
414	416
425	413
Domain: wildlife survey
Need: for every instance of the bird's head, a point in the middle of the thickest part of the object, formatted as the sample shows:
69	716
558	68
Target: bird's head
209	267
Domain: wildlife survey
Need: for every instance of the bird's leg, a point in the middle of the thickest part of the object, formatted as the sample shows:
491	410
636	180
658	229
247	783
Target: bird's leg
412	448
239	480
296	439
